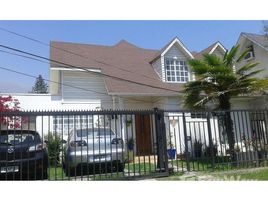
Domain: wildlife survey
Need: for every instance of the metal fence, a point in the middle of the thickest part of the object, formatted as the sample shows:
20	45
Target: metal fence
82	145
110	145
218	140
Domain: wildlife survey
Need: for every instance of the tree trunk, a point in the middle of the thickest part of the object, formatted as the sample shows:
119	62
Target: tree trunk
228	123
230	134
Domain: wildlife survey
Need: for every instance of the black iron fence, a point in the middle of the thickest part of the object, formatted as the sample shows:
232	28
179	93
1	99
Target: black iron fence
110	145
82	145
218	140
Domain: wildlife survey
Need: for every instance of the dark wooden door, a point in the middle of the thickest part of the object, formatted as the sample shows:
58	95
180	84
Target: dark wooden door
143	135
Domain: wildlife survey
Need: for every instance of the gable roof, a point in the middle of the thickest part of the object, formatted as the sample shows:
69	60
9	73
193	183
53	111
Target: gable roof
122	60
260	40
209	50
168	46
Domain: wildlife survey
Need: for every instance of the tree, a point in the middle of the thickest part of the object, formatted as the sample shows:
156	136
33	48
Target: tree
40	86
217	82
10	104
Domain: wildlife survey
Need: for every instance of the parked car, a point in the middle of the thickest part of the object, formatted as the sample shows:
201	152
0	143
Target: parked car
22	155
97	149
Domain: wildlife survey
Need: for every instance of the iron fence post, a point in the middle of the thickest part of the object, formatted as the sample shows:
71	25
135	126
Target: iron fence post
186	142
162	161
211	145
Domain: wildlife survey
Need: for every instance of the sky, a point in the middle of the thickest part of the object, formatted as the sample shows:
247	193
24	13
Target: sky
196	35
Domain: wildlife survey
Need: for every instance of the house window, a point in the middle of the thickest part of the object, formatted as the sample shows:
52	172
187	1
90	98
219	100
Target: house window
250	54
197	115
176	71
62	125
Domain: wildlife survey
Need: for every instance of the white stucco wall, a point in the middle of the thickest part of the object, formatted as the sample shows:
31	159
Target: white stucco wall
47	102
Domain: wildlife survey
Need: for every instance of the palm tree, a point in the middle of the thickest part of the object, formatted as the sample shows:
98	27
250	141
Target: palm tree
217	82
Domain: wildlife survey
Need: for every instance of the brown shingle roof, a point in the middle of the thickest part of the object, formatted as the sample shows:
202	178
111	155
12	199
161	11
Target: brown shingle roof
122	60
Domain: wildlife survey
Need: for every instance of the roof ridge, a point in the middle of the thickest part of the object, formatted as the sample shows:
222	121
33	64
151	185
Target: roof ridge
82	44
102	46
123	41
246	33
158	54
208	49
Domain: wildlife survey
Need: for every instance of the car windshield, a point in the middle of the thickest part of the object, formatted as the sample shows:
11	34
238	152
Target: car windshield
90	133
18	138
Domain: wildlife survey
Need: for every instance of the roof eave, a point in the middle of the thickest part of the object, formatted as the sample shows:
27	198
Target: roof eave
176	40
218	44
252	40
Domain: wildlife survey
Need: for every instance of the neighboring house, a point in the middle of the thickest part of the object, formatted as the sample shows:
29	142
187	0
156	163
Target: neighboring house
258	45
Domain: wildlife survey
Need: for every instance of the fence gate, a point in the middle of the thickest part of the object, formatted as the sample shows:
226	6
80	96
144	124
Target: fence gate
82	145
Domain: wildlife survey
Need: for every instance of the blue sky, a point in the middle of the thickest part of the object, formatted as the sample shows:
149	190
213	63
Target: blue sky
196	35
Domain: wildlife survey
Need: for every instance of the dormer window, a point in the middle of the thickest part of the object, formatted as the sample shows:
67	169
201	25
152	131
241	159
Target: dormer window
176	70
250	55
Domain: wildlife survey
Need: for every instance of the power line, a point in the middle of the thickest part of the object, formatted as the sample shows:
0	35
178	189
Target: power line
23	56
32	76
84	69
88	90
71	52
21	73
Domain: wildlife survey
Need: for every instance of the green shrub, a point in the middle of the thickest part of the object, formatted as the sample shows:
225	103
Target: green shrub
53	143
198	148
211	151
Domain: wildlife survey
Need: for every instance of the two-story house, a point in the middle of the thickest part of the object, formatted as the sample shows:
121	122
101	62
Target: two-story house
122	76
129	77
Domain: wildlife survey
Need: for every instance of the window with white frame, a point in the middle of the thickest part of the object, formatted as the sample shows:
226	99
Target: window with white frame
62	125
176	70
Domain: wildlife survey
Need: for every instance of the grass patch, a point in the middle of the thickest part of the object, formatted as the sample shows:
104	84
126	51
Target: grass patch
131	169
173	177
137	170
256	174
56	173
205	164
140	169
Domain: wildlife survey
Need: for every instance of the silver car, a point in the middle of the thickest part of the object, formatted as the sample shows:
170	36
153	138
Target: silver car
94	149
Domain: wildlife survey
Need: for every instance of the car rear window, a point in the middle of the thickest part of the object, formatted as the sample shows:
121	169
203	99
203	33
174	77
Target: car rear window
15	138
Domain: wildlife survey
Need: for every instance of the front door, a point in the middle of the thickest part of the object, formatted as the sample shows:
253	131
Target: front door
143	134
